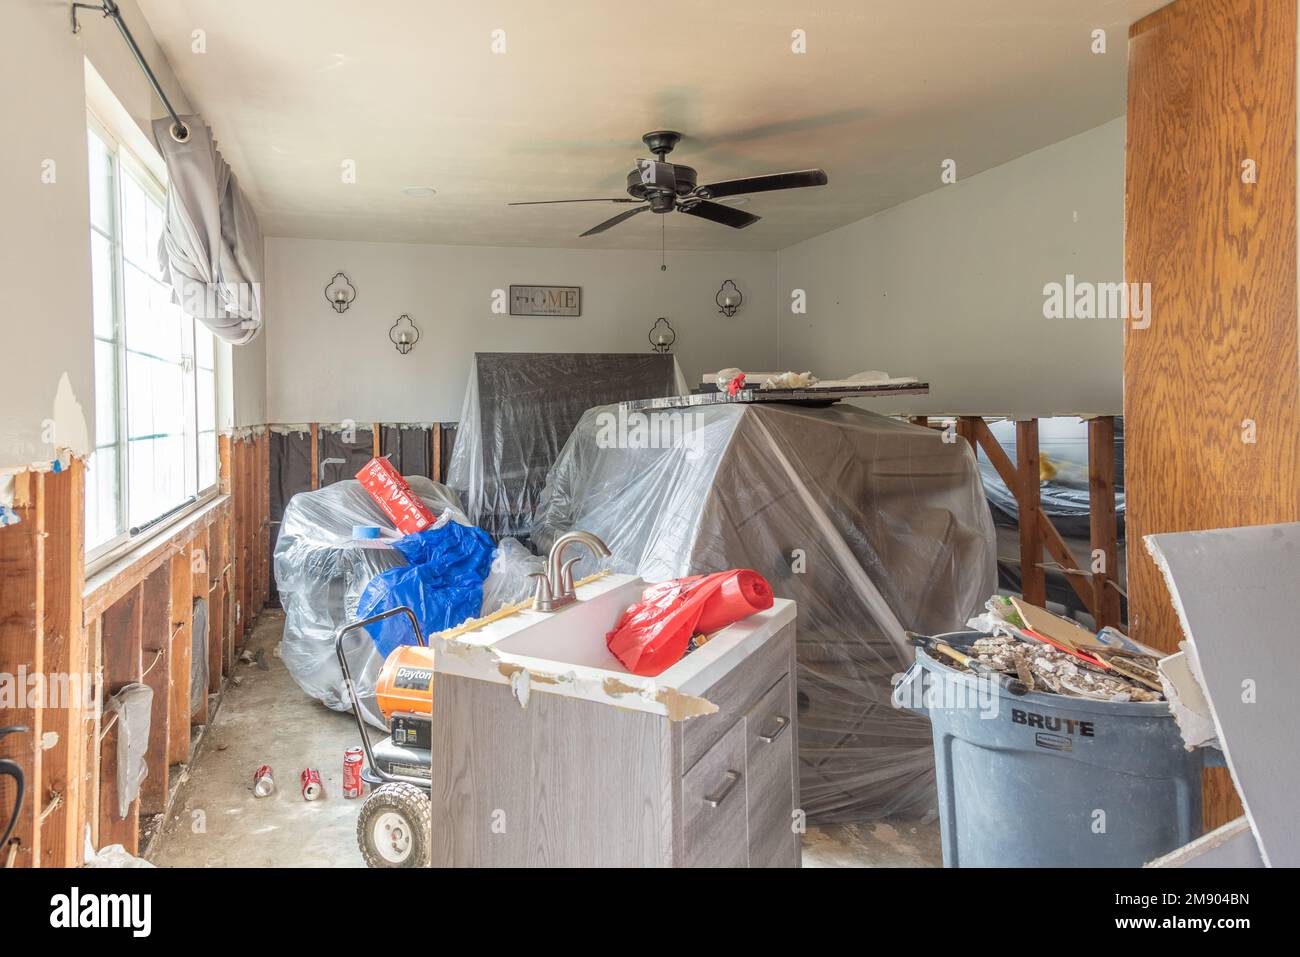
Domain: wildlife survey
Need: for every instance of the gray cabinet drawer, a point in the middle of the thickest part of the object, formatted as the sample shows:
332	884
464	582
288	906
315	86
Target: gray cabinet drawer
735	694
714	824
769	732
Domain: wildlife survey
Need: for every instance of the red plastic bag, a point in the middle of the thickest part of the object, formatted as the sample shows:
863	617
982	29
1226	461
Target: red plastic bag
652	635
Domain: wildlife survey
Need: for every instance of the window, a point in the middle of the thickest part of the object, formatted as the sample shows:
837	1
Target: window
155	385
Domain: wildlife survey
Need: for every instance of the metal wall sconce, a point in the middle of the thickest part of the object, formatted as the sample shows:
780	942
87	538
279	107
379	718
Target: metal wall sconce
662	336
339	293
404	334
728	298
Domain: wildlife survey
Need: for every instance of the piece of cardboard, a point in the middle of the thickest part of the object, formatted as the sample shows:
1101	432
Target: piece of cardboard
1060	629
1235	593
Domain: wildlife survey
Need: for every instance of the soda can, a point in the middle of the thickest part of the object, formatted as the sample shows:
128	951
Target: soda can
263	783
311	785
352	761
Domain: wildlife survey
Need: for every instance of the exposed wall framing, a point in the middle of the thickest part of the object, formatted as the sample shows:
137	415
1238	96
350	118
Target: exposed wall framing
1097	587
74	642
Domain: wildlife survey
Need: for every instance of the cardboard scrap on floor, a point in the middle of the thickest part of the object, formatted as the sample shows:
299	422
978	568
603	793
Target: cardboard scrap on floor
1235	593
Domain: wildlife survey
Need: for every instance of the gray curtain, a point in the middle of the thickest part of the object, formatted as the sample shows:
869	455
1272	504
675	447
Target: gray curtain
211	249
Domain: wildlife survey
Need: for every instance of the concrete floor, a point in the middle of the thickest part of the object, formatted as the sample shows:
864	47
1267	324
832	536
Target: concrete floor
215	821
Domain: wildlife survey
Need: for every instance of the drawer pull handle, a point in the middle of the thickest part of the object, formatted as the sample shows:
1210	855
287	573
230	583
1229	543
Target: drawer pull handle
715	800
782	722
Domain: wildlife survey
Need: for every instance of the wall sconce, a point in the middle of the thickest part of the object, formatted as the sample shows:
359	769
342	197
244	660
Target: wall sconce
662	339
728	299
339	293
404	334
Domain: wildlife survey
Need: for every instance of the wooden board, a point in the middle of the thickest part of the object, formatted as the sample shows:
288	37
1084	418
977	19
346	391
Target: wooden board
22	614
1212	385
179	657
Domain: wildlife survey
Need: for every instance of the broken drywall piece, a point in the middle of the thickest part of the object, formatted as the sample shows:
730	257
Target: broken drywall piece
1234	591
1232	845
520	687
67	425
1187	701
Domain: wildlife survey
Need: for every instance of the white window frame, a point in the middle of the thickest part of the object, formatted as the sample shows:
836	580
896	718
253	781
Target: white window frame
126	163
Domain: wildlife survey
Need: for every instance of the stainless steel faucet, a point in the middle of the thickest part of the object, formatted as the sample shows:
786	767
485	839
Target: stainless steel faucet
555	587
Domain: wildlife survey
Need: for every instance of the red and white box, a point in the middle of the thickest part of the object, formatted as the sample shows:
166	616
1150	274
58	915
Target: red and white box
391	493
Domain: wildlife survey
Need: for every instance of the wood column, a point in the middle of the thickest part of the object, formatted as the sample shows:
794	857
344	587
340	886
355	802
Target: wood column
1211	377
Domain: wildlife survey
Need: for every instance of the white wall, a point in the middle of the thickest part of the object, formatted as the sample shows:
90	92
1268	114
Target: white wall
949	287
326	367
45	245
45	326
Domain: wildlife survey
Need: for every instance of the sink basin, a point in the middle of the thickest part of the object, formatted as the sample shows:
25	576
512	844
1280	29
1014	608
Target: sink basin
575	635
564	652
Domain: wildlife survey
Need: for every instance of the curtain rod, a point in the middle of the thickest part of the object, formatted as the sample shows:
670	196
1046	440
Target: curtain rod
179	131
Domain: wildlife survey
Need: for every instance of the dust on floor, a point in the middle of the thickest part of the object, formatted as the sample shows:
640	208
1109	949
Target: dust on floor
267	719
891	843
215	821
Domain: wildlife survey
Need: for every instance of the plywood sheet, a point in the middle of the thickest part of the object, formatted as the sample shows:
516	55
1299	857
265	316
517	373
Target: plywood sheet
1235	594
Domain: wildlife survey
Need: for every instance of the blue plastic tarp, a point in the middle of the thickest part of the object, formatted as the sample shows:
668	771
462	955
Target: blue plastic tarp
442	583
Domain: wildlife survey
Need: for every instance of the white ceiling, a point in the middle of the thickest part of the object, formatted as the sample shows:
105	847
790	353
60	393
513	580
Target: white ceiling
412	92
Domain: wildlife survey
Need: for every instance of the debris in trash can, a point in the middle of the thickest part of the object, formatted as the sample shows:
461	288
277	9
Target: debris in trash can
1048	653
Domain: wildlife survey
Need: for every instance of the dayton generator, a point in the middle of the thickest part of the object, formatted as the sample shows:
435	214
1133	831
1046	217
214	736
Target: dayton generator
395	819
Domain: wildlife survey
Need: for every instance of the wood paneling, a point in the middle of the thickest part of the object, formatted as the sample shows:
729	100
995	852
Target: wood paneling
1212	385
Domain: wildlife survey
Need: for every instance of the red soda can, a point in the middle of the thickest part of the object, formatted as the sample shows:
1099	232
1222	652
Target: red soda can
311	785
263	783
352	760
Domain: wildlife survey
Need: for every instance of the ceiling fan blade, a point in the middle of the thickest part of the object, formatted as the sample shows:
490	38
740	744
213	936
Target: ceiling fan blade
764	184
614	221
716	212
547	202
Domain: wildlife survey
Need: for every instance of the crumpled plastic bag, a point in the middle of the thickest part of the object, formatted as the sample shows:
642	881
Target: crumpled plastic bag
114	855
508	582
442	584
134	707
653	634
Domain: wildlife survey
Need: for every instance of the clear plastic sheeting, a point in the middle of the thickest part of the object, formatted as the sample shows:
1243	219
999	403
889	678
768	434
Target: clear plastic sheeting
519	410
133	706
509	580
870	524
321	571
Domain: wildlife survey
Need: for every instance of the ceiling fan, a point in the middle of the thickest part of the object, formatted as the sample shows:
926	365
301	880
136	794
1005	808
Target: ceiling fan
664	186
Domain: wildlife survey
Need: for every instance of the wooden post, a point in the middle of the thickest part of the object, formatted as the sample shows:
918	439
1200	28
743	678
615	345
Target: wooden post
315	455
180	654
966	428
1211	377
66	666
1104	528
1033	581
22	626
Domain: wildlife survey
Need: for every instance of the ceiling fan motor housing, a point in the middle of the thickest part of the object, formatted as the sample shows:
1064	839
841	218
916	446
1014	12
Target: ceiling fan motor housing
659	198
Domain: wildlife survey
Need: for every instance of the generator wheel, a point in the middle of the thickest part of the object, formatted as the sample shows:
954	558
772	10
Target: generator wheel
393	827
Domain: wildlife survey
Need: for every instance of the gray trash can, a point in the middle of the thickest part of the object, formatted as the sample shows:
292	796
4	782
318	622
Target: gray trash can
1044	780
